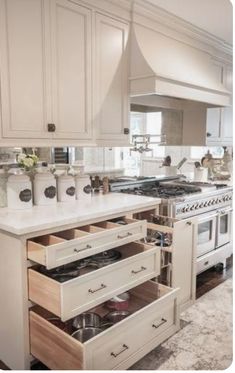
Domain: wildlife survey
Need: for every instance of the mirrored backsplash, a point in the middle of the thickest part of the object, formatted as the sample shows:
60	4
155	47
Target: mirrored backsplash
116	161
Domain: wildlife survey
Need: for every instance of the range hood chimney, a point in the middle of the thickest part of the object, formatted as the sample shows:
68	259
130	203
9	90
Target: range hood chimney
161	65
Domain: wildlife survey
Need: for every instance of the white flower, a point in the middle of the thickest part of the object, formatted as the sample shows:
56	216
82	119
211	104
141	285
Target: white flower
21	157
28	162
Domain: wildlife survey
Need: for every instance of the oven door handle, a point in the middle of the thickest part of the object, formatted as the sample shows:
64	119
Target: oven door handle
224	211
207	217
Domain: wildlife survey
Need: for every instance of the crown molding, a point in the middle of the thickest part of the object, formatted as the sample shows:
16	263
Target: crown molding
152	16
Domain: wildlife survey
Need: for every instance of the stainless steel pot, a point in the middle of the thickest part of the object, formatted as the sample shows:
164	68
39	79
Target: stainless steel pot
116	316
85	334
87	319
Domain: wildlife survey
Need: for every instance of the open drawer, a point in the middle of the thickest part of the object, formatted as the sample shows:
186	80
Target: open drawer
154	317
138	263
67	246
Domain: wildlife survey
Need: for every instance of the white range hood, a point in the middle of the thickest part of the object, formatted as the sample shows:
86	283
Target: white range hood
161	65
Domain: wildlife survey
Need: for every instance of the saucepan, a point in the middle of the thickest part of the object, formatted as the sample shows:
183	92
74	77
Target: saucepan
87	320
84	334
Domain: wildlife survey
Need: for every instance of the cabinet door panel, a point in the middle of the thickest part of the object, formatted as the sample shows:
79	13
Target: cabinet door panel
71	56
24	70
227	125
111	91
213	124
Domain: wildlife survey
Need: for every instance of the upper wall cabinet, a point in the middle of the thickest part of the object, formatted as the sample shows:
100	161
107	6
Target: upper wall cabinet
25	69
64	74
71	72
45	69
219	124
111	80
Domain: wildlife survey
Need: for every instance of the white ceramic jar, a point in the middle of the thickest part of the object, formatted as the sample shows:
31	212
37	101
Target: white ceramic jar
3	188
66	188
19	192
83	187
44	189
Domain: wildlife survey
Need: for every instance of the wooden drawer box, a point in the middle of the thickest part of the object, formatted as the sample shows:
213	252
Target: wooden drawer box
154	317
70	245
139	262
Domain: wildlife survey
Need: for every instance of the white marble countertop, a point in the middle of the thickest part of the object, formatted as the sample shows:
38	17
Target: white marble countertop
20	222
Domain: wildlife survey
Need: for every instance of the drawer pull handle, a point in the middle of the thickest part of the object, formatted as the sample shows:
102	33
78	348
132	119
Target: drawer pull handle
189	223
124	236
125	347
205	264
85	248
102	286
140	270
161	323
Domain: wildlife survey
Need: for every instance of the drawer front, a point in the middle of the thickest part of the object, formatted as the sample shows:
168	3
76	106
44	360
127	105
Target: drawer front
214	257
68	251
110	349
204	263
79	297
68	299
124	341
122	345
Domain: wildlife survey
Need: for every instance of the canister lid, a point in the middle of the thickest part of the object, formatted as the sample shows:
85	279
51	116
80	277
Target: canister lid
82	176
65	178
18	178
44	176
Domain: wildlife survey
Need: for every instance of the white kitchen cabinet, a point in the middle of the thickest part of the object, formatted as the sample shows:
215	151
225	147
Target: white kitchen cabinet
71	72
220	120
213	125
45	65
111	80
219	126
24	68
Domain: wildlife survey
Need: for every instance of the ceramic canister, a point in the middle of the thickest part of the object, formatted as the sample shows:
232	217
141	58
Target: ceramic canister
83	187
19	192
45	192
66	188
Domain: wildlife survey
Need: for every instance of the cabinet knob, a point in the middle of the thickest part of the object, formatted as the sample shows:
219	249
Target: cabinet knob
126	131
208	134
51	127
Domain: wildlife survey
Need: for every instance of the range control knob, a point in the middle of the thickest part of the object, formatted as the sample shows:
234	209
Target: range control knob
205	204
192	207
209	203
196	206
201	205
213	202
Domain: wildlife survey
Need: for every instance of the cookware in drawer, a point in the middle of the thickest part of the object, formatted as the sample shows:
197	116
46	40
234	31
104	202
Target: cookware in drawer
153	318
67	246
136	263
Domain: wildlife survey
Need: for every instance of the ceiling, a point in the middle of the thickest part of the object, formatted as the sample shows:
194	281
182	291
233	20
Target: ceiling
213	16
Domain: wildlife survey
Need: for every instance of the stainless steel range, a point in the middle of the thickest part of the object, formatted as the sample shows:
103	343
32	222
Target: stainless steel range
212	204
179	199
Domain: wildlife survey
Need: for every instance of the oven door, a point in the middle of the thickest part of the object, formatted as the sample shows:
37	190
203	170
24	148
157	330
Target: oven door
206	233
224	226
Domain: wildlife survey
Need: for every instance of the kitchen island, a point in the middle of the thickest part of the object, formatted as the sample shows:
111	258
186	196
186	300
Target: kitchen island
54	236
